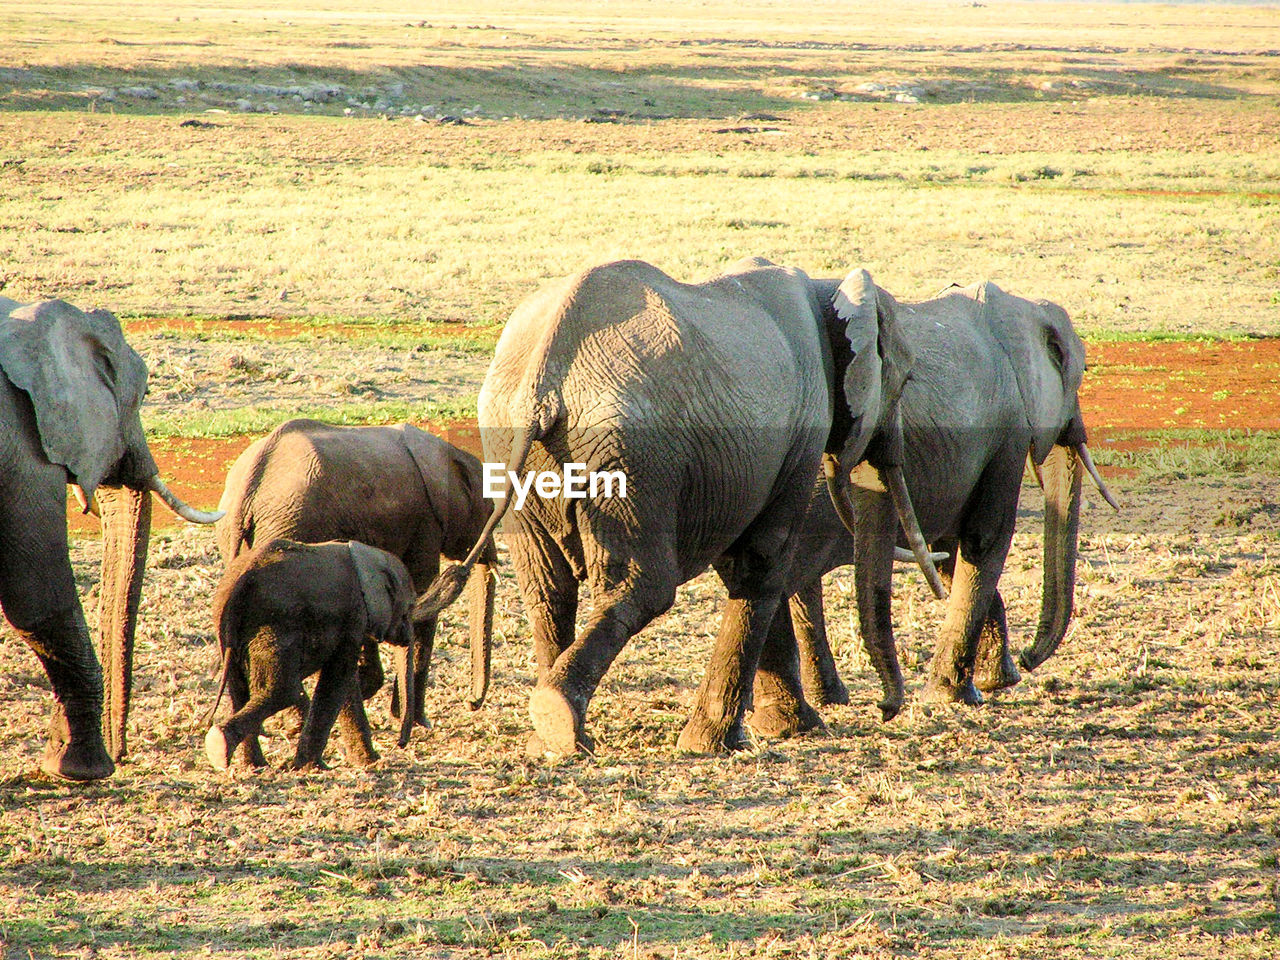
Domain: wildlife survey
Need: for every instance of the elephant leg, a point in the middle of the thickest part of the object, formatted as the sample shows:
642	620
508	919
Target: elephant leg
877	532
249	753
822	683
550	591
353	725
984	545
779	707
337	684
558	705
994	668
754	571
39	598
75	749
716	723
271	686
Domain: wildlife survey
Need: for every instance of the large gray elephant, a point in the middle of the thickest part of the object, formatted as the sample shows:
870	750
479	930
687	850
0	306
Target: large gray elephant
397	488
69	398
716	401
994	384
286	610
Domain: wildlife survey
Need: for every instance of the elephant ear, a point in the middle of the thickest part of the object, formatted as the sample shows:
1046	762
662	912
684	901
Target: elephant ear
383	594
876	364
452	480
1046	355
84	382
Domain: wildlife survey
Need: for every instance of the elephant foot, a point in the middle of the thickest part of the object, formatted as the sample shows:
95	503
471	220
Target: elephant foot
997	674
308	766
779	720
945	691
75	749
557	728
74	761
361	755
701	736
834	693
217	748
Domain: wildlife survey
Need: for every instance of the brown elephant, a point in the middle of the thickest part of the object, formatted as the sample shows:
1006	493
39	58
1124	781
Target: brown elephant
397	488
994	385
717	402
286	610
70	389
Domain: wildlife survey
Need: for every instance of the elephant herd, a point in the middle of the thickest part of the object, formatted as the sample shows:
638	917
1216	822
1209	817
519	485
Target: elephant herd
766	424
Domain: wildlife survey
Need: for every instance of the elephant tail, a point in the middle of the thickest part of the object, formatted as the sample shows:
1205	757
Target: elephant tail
222	688
448	586
226	614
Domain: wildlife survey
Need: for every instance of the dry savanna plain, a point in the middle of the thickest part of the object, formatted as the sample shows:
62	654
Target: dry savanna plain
330	208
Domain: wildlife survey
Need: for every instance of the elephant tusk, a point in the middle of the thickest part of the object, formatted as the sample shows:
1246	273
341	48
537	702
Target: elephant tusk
897	485
87	504
838	489
1083	451
903	555
185	511
1035	468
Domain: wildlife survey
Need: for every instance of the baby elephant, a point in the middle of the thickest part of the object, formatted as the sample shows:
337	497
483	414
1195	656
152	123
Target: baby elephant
286	610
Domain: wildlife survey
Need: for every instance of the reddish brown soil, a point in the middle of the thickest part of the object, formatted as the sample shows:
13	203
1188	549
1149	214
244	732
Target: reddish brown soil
1130	390
1136	387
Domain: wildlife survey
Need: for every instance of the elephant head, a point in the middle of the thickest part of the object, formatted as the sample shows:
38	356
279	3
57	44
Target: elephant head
455	492
85	385
872	361
1047	357
388	598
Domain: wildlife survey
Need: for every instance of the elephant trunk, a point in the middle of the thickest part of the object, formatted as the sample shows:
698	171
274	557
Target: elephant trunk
126	526
481	589
1062	474
405	681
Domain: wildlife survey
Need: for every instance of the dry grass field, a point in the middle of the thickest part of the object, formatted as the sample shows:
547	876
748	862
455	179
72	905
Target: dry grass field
323	208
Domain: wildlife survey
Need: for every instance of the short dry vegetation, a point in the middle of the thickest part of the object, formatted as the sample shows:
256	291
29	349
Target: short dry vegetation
319	208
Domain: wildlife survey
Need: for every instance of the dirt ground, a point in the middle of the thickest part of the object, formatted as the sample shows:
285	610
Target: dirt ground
1120	802
1176	125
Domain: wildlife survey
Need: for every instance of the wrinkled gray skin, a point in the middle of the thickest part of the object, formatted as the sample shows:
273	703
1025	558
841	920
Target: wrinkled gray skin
70	388
286	610
718	401
398	488
994	383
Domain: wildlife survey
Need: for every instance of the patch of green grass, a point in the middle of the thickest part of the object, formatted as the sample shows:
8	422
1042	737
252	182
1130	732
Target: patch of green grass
260	420
1181	453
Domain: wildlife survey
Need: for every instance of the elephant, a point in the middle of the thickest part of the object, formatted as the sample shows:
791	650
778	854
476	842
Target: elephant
716	402
70	389
286	610
994	385
394	487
